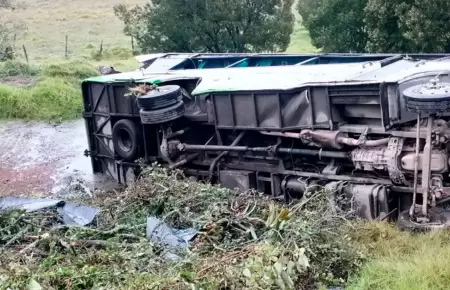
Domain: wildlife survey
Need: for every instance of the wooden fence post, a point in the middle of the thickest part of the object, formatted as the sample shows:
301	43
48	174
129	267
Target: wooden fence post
100	51
25	52
66	54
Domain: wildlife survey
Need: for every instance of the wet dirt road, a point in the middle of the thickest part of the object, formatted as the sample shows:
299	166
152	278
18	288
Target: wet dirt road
41	159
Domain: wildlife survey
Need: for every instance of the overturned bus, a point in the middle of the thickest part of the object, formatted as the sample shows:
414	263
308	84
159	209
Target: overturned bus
374	131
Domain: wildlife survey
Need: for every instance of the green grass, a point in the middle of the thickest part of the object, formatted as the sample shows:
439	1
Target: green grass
84	22
54	92
17	68
51	91
49	99
87	24
402	260
300	41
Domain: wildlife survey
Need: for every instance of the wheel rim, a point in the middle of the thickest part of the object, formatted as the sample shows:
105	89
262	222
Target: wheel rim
158	90
125	141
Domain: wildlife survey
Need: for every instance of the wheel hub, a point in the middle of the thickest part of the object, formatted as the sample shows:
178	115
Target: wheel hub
125	141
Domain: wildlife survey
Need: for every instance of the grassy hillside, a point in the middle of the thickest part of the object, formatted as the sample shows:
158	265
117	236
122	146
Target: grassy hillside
85	22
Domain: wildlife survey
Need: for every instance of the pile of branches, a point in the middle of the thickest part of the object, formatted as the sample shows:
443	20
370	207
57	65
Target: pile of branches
243	241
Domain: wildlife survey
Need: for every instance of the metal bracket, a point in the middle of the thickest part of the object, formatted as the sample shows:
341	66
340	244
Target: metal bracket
363	138
332	168
395	147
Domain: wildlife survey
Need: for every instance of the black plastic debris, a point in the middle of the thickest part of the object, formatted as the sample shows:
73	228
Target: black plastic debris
158	231
72	214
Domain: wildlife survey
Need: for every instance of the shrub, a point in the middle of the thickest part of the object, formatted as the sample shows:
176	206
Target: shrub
50	99
16	68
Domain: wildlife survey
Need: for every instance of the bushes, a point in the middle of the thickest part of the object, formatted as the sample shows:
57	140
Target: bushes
55	96
17	68
50	99
75	70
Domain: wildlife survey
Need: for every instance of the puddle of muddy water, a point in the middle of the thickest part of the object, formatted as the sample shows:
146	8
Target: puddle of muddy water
45	159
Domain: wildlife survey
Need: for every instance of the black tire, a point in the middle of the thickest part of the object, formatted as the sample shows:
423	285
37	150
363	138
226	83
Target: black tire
430	98
126	136
161	97
427	107
162	115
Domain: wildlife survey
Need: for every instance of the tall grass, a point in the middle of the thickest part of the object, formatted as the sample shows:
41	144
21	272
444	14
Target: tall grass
402	260
73	70
56	94
16	68
50	99
83	21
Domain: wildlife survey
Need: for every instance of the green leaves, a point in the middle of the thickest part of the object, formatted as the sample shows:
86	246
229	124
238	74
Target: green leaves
210	25
398	26
272	268
335	25
277	220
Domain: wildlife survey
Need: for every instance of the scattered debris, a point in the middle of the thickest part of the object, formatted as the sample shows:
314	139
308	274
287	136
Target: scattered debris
159	231
72	214
140	90
168	232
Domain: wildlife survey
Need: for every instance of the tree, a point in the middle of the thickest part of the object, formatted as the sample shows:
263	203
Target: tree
426	24
335	25
130	19
408	25
7	27
211	25
398	26
385	33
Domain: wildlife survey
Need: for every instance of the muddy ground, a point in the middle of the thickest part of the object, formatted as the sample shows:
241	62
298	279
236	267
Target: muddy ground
42	159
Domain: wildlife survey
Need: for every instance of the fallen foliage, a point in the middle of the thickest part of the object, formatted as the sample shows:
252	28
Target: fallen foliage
244	241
